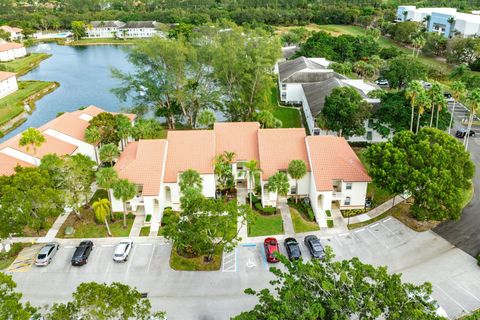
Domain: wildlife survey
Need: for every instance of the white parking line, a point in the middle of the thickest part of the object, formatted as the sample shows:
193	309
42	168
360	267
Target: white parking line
466	290
227	259
343	234
448	296
69	247
379	241
360	230
374	225
150	259
144	244
396	235
107	245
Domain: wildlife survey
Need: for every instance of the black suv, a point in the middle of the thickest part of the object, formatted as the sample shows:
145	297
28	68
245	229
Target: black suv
293	249
462	132
314	246
80	257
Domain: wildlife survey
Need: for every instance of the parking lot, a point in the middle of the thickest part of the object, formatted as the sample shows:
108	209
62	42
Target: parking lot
219	294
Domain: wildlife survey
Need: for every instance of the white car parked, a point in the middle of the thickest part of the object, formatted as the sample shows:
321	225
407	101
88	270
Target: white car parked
122	250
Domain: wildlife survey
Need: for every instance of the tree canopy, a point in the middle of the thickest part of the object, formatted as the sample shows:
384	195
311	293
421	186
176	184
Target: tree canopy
345	112
10	305
431	165
347	289
400	70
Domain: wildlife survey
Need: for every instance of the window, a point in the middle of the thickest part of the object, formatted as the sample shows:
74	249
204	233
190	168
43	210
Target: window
284	86
370	123
347	201
369	135
284	95
293	190
348	186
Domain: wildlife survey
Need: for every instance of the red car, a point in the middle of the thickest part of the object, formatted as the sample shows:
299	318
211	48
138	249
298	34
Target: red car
271	246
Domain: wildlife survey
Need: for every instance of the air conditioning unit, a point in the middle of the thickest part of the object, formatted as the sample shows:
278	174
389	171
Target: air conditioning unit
316	131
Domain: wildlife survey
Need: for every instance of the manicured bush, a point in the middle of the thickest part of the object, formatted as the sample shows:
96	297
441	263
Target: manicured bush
265	210
148	217
310	214
352	213
330	223
255	199
328	213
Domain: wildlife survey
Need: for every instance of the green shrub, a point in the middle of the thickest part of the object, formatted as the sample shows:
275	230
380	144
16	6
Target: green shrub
352	213
255	199
148	217
478	259
310	214
330	223
117	215
328	213
265	210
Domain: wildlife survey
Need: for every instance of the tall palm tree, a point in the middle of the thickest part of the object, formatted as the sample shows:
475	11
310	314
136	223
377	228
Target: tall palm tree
32	138
124	190
413	90
278	183
423	102
102	210
93	136
427	20
108	153
124	129
297	169
451	21
441	104
251	171
435	94
105	179
473	99
459	92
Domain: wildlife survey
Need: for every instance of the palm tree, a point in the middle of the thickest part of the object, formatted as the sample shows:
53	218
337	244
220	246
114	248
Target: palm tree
278	183
414	89
32	138
102	210
251	171
451	21
405	13
108	153
427	20
190	179
123	127
124	34
423	103
458	93
473	99
124	190
93	136
435	94
440	104
105	178
421	41
297	169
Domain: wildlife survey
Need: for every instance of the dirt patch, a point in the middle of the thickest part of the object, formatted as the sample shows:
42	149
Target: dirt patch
402	213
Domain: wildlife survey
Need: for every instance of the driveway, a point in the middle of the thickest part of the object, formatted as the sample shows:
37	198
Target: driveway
464	233
219	294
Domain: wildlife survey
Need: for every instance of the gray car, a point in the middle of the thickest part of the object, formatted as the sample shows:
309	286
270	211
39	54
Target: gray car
46	254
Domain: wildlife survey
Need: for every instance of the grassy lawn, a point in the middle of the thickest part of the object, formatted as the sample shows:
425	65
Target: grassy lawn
300	224
145	231
12	105
366	223
180	263
23	65
87	227
7	258
467	196
265	225
290	117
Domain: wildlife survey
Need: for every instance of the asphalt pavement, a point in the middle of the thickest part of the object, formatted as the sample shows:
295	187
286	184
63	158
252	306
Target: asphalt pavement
465	233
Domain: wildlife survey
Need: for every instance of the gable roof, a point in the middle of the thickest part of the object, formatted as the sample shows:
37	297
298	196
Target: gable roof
277	147
332	158
10	29
315	93
6	75
5	46
239	137
51	145
139	24
69	124
107	24
288	68
189	149
92	111
142	162
9	163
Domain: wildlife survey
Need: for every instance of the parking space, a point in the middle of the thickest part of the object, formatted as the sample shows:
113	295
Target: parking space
25	259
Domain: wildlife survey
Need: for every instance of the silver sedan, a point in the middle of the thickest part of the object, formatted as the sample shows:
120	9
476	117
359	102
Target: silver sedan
46	254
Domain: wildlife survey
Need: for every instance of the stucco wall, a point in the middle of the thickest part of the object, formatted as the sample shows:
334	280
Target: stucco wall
8	86
83	147
357	195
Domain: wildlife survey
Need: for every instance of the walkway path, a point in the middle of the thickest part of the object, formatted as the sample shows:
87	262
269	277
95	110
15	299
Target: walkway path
242	225
52	233
375	212
286	217
137	226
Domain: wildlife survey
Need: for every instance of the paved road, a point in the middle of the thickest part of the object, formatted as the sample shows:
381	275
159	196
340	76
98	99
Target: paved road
465	233
219	295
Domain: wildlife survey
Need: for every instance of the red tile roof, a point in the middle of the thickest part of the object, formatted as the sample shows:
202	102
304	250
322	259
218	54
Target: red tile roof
142	162
332	158
9	46
10	29
51	145
69	124
277	147
6	75
189	149
94	110
9	163
239	137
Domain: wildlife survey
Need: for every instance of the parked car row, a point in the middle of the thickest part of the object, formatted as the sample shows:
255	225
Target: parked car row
292	247
82	252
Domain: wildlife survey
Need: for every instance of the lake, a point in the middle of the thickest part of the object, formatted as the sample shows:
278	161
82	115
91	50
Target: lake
84	77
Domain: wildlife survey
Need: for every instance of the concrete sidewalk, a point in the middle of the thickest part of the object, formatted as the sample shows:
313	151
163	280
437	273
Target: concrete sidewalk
375	212
286	217
52	233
